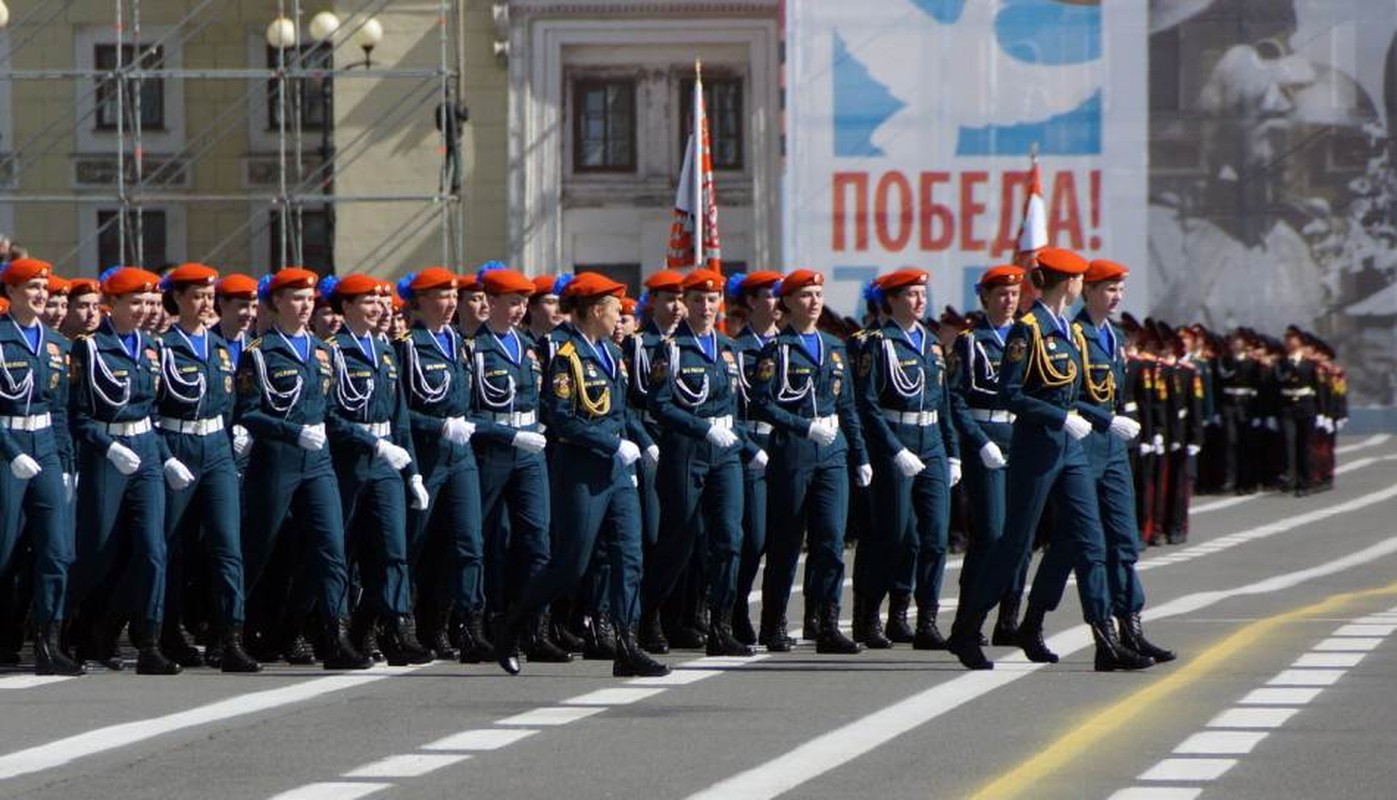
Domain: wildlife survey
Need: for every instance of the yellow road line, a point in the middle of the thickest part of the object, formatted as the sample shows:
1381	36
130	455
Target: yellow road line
1078	741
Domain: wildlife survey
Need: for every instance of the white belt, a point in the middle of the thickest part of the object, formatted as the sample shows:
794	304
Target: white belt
992	415
764	428
1305	392
515	419
919	418
380	429
136	428
1238	391
196	427
33	422
721	423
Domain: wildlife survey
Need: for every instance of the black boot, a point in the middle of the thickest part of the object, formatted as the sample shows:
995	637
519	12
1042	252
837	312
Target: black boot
100	642
475	647
298	650
232	657
964	643
720	639
599	640
339	651
811	621
1007	625
437	636
773	634
898	629
561	634
539	648
742	624
177	647
1111	655
400	645
874	637
631	661
652	634
830	639
928	636
858	631
48	659
1132	635
149	659
1030	637
363	632
507	642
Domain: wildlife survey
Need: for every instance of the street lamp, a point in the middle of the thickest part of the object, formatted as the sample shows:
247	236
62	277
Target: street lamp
4	14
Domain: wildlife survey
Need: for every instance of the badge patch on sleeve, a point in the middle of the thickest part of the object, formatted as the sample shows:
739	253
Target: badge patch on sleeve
766	370
562	385
1016	350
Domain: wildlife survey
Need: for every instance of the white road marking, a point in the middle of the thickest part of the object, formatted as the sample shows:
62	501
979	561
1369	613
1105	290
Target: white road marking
1188	769
618	696
342	790
1157	793
30	681
413	765
550	716
1348	645
1220	743
1371	441
1311	660
1262	717
1366	630
480	739
1279	697
1307	677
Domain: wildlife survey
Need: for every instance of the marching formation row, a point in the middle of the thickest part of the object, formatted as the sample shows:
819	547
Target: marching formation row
474	468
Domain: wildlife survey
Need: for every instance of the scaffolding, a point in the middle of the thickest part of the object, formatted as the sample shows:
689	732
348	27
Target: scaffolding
298	184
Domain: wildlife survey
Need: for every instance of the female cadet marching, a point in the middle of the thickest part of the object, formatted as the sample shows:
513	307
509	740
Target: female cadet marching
986	426
906	418
693	396
1103	360
195	407
803	387
755	293
36	491
445	549
371	447
285	386
123	466
593	476
1041	377
509	442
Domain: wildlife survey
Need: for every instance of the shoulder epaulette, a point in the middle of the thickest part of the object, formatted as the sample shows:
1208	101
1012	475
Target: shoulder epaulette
568	349
255	344
404	336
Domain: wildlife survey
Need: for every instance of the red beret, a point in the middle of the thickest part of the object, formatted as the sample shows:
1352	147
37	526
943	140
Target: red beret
357	285
236	284
593	284
760	278
1103	270
60	286
293	278
543	285
666	280
192	274
470	282
81	286
23	270
4	305
129	280
1002	275
435	278
508	281
702	280
799	279
903	277
1057	259
399	304
628	306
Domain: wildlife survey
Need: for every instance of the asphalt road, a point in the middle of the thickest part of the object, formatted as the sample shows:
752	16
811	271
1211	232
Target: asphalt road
1283	610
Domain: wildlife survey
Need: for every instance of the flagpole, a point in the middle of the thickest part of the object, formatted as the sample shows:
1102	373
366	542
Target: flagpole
697	138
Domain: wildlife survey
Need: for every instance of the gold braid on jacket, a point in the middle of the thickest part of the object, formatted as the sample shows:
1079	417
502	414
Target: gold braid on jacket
1103	393
599	407
1040	365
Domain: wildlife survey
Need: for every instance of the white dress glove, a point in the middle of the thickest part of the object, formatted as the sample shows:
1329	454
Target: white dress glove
722	438
312	437
123	458
457	431
242	440
1124	427
177	475
1158	442
863	476
822	433
1076	426
757	465
418	491
397	457
70	486
24	467
651	458
628	452
953	467
1272	424
907	463
1194	449
529	441
1146	448
992	457
1340	423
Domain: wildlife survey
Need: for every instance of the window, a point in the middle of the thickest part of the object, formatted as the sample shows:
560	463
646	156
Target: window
722	100
153	239
312	91
603	138
315	240
152	89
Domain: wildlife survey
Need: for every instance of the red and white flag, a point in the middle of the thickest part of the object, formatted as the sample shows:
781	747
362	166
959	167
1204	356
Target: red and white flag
1033	232
695	198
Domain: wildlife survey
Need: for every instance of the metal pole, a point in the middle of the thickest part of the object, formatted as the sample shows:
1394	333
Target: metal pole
327	155
297	127
119	83
448	109
283	219
138	219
